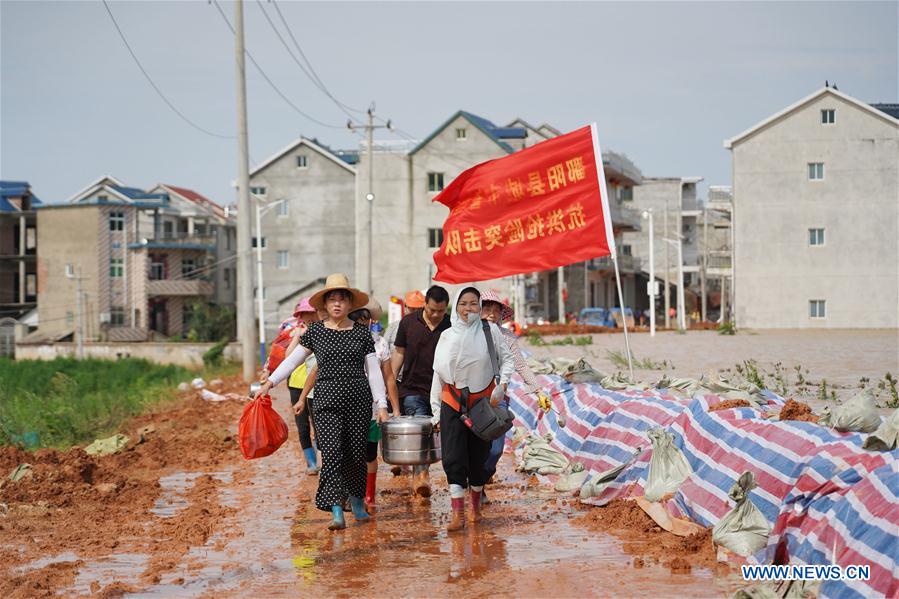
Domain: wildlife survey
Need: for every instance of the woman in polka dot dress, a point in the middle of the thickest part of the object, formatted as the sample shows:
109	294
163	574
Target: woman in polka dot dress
349	378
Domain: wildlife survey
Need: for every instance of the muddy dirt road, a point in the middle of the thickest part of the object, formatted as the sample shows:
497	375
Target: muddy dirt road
183	515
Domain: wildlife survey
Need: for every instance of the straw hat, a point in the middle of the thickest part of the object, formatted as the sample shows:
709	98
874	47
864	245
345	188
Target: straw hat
374	308
339	281
414	299
506	313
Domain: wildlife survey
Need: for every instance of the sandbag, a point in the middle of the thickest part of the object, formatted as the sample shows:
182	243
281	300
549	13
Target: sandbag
107	446
594	486
826	417
743	530
668	467
573	479
540	457
858	415
886	437
582	372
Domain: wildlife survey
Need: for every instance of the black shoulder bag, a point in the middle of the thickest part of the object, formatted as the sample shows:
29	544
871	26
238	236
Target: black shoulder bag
487	422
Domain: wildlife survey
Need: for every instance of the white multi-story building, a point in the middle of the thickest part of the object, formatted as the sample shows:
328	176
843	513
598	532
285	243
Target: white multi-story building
816	216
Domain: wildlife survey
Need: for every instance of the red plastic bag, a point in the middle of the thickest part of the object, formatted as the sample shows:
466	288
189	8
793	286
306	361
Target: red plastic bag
278	350
261	430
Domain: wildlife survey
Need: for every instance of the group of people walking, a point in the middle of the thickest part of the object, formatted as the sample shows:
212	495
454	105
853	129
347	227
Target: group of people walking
344	378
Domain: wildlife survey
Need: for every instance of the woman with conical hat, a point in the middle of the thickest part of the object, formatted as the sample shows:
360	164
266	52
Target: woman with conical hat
349	378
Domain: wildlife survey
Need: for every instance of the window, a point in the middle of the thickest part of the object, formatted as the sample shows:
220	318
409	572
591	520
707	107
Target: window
157	267
259	191
117	316
816	236
435	238
827	116
116	266
116	221
283	259
816	309
626	194
188	266
284	208
227	273
228	238
626	250
301	161
70	318
816	171
264	245
103	199
435	182
461	134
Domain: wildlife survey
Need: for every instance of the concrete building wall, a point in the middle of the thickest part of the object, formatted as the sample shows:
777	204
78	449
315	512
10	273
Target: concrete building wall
67	235
777	272
319	230
404	210
189	355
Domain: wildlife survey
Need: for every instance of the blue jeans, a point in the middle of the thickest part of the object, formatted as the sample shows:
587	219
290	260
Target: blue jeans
496	451
417	405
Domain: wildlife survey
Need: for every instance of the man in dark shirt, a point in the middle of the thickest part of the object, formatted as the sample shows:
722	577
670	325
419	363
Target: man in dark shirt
413	360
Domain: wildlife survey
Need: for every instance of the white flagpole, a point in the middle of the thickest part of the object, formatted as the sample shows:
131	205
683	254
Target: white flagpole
610	237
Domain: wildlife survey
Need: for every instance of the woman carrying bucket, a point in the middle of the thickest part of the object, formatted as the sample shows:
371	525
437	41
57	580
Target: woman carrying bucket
463	368
344	393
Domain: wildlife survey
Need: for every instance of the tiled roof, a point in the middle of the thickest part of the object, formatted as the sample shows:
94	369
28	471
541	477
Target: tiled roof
198	199
497	134
134	193
890	109
15	189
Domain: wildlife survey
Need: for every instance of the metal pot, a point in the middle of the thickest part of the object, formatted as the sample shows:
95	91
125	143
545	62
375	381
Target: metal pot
255	386
409	441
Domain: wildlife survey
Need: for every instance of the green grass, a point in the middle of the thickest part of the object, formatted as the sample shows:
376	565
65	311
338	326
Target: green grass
67	402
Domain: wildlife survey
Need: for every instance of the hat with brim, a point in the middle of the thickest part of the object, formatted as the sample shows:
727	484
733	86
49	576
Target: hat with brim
414	299
374	308
506	312
303	306
336	282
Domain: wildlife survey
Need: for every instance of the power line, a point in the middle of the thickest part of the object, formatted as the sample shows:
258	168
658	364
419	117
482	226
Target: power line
153	84
314	79
296	43
268	79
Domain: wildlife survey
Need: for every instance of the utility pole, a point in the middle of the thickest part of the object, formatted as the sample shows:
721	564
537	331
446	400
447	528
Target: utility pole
73	273
244	265
667	269
370	194
561	290
705	261
651	287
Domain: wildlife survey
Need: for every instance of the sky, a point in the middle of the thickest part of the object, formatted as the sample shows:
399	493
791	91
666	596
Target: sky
666	82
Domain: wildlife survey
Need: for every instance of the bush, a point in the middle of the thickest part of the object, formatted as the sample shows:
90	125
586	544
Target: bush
213	356
208	322
64	402
727	328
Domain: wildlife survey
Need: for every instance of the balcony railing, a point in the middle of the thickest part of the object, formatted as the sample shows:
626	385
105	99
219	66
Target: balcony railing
625	263
176	287
177	240
624	217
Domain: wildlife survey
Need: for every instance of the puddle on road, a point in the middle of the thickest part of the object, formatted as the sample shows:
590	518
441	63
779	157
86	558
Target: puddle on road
175	487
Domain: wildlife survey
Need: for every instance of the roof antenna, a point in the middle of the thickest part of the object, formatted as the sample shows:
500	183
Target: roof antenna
835	86
826	84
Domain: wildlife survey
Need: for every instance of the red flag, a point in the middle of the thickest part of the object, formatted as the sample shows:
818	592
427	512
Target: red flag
540	208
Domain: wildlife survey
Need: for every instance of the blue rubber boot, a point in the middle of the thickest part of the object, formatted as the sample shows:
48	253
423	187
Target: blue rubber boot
359	508
337	520
311	461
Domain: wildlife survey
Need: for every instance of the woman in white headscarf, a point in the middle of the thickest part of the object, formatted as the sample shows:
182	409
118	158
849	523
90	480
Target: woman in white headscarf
462	365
